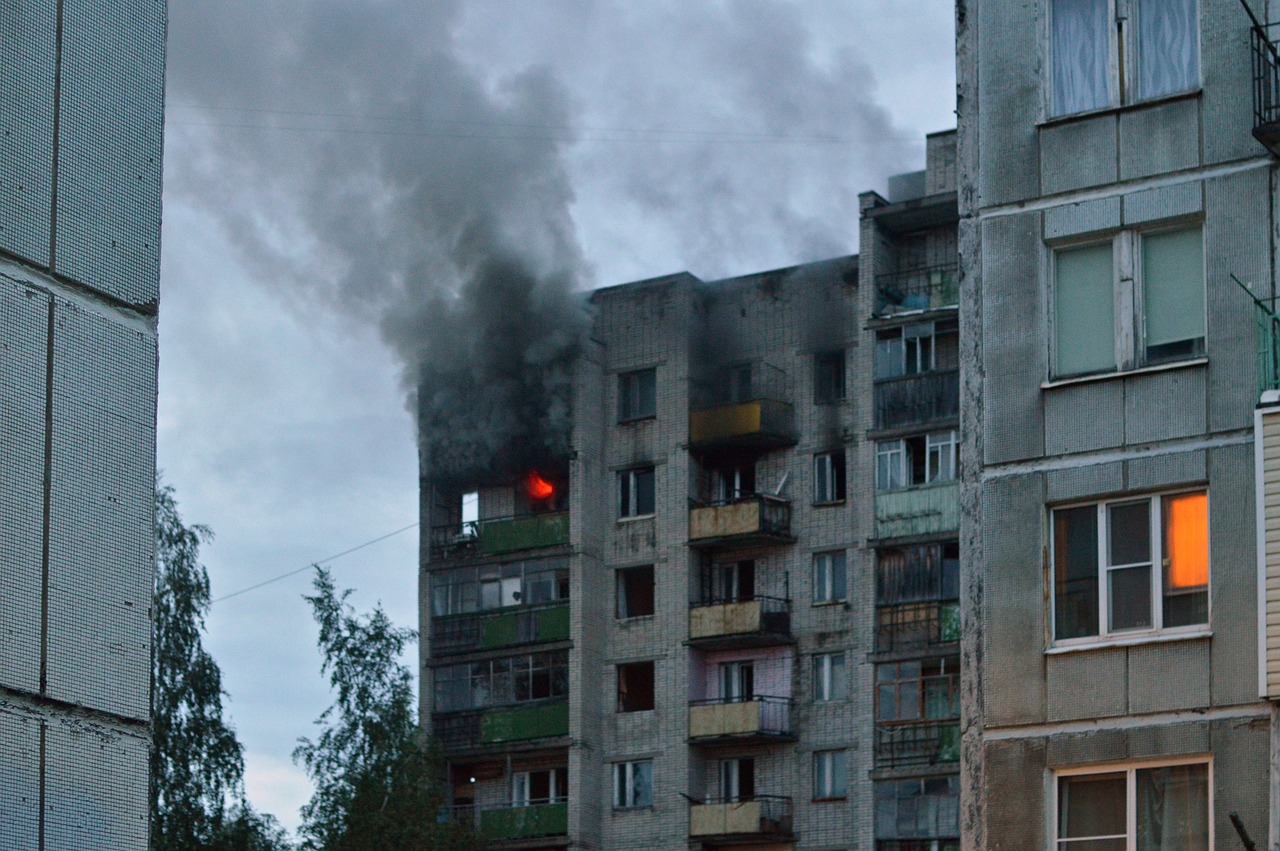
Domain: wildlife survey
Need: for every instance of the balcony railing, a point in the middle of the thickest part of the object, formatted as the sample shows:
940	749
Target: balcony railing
497	535
500	628
917	626
499	824
461	731
1266	84
735	719
741	817
921	510
917	743
757	519
917	399
926	288
740	623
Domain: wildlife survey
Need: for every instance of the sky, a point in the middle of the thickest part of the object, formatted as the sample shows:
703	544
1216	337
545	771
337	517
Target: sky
337	171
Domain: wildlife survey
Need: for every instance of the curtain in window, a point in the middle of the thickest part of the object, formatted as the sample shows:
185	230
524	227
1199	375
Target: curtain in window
1080	55
1168	48
1173	288
1084	310
1173	808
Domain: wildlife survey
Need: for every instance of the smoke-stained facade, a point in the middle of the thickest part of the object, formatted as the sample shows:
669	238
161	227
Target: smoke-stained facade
81	109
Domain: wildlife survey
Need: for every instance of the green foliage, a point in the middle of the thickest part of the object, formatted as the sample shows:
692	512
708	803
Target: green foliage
197	765
377	781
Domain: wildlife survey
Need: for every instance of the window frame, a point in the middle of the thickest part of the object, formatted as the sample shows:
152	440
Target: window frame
835	472
632	396
836	787
623	600
624	786
1128	299
830	377
827	587
623	687
1156	537
1130	768
629	491
825	679
895	462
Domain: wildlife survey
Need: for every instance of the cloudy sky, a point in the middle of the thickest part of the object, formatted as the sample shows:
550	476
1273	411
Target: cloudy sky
336	170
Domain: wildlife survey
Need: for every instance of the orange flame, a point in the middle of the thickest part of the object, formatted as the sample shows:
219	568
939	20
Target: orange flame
539	488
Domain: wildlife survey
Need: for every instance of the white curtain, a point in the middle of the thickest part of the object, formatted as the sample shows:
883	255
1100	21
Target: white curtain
1081	39
1168	47
1173	808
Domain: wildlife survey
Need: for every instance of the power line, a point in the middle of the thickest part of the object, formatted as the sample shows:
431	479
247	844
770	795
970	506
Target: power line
312	564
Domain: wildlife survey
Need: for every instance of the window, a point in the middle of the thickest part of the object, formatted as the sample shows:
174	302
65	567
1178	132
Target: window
829	681
828	577
828	477
737	682
635	591
922	808
914	349
918	690
501	682
1131	565
918	460
635	492
828	377
1158	807
1106	55
470	589
729	582
728	481
637	395
739	384
1159	273
737	780
633	784
549	786
635	686
828	775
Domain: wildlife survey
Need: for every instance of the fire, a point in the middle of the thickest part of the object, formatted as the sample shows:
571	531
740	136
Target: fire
539	488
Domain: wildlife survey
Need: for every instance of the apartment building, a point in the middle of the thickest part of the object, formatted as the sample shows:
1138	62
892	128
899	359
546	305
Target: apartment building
729	617
81	121
1117	222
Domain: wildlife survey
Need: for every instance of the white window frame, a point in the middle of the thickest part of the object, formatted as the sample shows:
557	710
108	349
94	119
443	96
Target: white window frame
1128	299
1155	530
624	784
828	782
891	465
1130	769
630	479
522	788
824	577
737	681
824	677
630	396
947	444
730	775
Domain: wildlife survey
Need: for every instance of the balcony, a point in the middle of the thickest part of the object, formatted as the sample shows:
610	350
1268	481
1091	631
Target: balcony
726	624
744	408
917	744
464	731
917	290
917	399
499	628
756	520
495	536
917	626
733	721
1266	85
758	818
504	824
923	510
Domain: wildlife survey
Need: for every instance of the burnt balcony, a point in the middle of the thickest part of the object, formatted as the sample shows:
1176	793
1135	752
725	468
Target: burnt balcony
483	729
917	290
741	820
497	628
921	510
499	535
1266	84
745	408
740	720
917	399
754	520
911	627
724	624
917	743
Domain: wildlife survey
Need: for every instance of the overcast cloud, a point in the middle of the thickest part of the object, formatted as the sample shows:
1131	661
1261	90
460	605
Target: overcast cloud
324	162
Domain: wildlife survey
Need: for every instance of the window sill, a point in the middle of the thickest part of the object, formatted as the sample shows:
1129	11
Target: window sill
841	602
1129	641
634	518
647	418
1112	376
619	811
828	503
832	799
633	619
1058	120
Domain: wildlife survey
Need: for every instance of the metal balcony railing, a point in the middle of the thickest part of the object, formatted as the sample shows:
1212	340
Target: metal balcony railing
536	817
739	619
506	627
461	731
917	399
1266	83
744	815
759	716
1267	327
917	626
496	535
917	743
757	518
924	288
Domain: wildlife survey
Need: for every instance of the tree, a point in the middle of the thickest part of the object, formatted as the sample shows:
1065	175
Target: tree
197	764
377	780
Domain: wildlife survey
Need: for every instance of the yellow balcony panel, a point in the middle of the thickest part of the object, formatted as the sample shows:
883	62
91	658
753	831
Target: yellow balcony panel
761	817
759	622
759	719
752	520
759	424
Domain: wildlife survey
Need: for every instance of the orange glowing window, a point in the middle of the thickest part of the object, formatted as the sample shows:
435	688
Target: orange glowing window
538	487
1186	541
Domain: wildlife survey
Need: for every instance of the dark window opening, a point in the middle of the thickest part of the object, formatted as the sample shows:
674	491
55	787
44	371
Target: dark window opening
635	591
637	395
828	376
635	686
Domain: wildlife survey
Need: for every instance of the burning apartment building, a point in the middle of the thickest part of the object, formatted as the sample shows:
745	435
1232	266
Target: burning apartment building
705	594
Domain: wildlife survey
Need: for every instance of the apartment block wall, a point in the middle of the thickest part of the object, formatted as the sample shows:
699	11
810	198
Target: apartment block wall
1032	184
81	109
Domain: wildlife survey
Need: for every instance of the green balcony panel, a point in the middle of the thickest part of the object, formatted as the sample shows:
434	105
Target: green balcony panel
522	822
925	510
553	624
524	533
526	627
949	622
532	722
949	743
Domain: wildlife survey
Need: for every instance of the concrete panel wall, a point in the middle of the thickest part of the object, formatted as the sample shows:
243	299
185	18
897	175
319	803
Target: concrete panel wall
1161	471
1164	405
1159	138
1163	202
1087	685
1083	482
20	789
1008	158
1227	96
101	514
1083	417
1082	217
1233	575
1167	677
1062	168
96	788
1020	765
109	146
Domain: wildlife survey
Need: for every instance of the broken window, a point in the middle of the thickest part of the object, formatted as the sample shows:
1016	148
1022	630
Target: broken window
1131	565
635	591
828	477
636	492
828	376
633	784
637	395
548	786
1156	807
730	581
737	681
917	460
635	686
737	780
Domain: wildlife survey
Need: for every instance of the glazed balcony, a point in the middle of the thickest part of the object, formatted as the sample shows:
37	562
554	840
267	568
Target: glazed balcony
727	624
917	743
921	510
757	818
917	290
921	399
736	721
910	627
748	408
755	520
498	628
499	535
485	729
